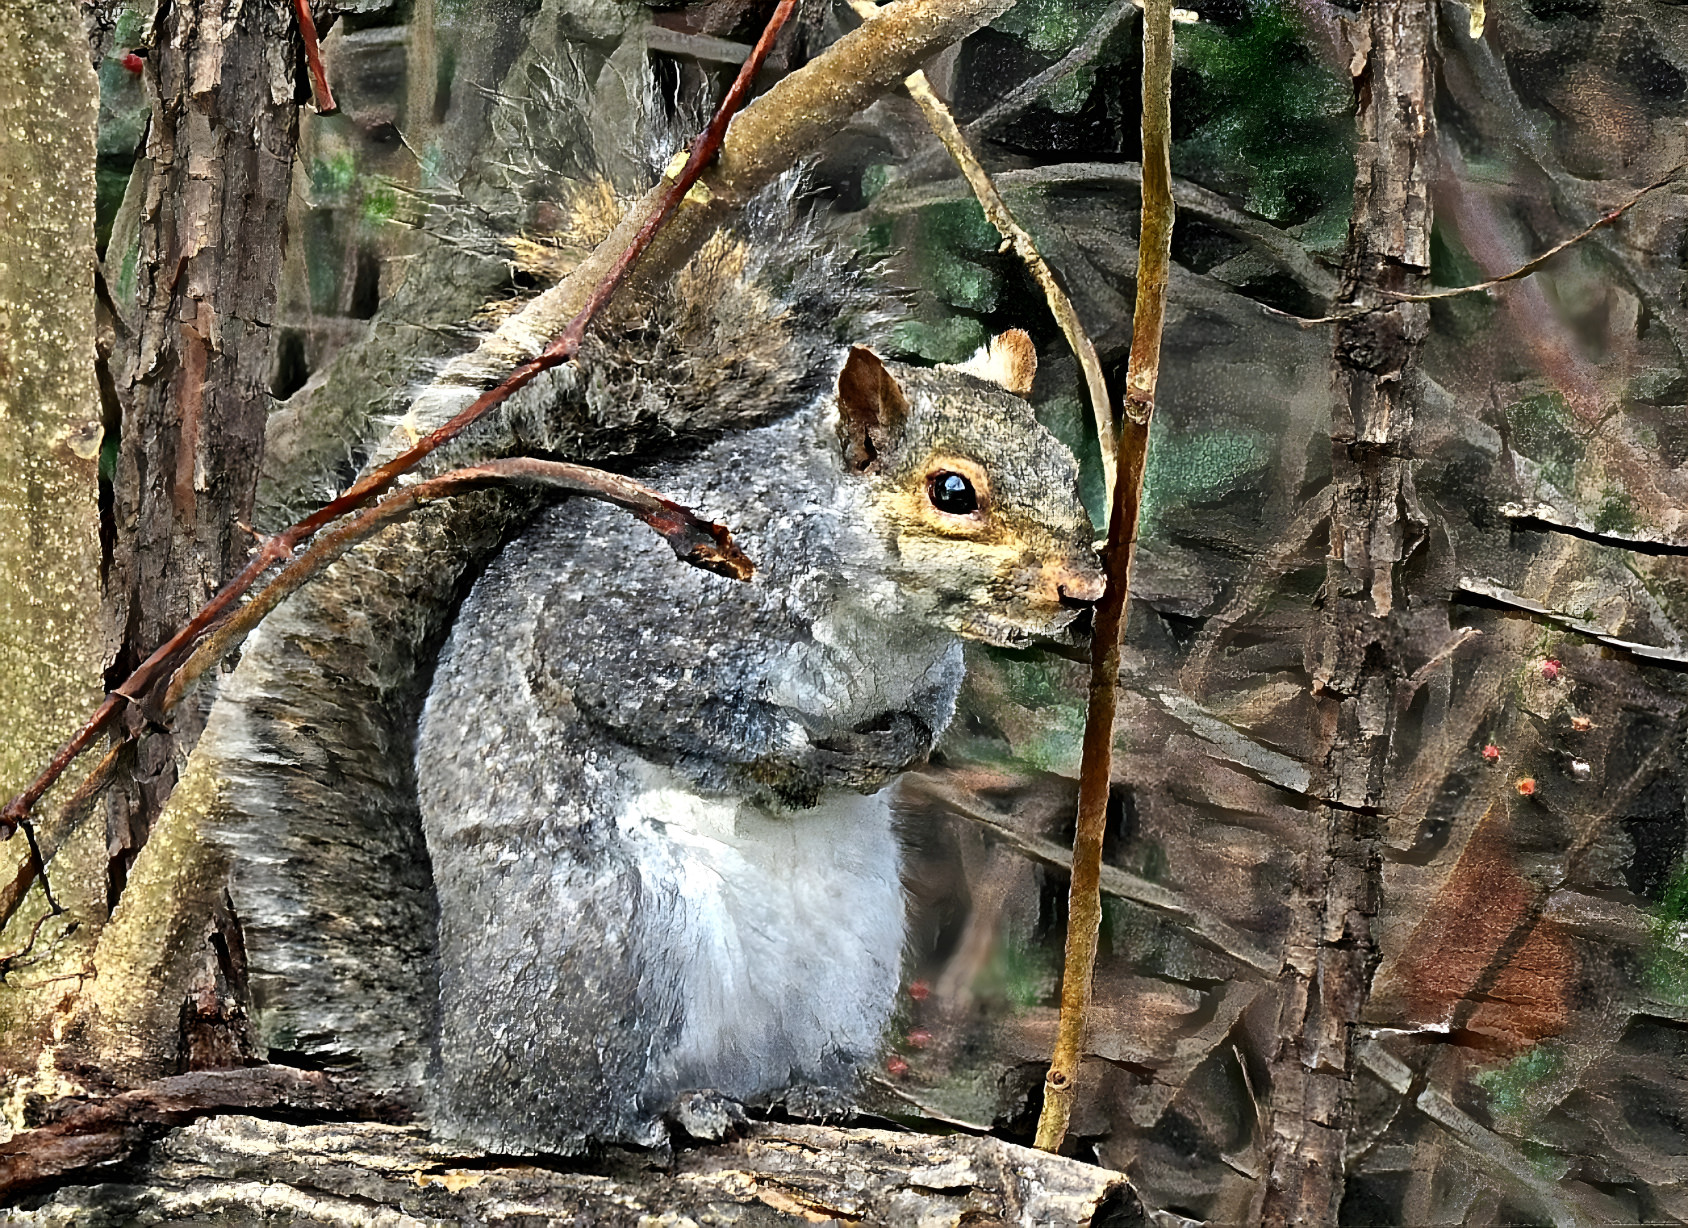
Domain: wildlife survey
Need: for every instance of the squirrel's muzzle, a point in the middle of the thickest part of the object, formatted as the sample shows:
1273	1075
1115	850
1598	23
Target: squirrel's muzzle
1071	587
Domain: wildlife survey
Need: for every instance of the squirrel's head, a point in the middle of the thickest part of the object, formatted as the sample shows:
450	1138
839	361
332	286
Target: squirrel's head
976	501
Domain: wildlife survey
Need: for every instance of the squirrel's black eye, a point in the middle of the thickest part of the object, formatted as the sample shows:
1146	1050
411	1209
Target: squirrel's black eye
952	493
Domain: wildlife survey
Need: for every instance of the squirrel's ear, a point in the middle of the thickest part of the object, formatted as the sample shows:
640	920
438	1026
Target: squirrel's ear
871	409
1010	362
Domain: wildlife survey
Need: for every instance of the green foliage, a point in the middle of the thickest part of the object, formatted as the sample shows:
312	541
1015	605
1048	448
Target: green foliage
380	201
1255	114
876	178
332	177
950	242
1541	430
1019	972
953	232
1070	420
1050	26
950	340
1040	684
961	225
124	110
127	32
1617	512
962	283
1511	1088
110	183
1452	265
1029	680
1197	468
336	182
1667	969
1069	94
125	288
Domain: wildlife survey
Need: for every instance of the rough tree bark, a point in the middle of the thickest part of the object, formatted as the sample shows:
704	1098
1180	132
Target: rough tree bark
1330	954
244	1170
193	384
49	406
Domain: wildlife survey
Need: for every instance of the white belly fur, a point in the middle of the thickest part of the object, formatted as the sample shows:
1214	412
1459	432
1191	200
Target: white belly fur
787	929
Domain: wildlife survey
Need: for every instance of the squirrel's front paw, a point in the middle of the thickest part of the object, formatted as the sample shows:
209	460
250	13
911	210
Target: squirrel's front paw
708	1116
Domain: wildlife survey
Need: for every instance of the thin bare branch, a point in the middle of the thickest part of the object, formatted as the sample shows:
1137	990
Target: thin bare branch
1114	881
1487	592
1154	269
50	836
1085	50
791	119
1282	248
1530	266
697	46
1550	519
12	957
943	126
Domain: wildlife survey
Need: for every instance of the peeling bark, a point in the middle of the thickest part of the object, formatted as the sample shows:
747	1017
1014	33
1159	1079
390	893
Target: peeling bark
1353	651
194	391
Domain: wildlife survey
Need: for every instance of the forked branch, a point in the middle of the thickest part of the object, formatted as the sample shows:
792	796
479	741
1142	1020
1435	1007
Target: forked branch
800	112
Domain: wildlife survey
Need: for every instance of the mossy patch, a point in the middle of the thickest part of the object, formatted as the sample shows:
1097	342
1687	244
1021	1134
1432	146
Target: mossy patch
1196	468
1541	429
1512	1089
1259	115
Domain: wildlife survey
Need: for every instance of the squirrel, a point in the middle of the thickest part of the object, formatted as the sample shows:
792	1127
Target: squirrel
563	842
655	800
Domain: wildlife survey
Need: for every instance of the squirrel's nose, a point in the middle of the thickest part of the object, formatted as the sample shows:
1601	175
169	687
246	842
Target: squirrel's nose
1077	587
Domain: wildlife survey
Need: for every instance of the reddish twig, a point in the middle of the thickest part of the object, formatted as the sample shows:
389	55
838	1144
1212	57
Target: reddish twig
369	487
320	92
52	836
693	540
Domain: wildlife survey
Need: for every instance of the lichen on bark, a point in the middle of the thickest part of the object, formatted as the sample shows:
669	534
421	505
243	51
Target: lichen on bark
50	650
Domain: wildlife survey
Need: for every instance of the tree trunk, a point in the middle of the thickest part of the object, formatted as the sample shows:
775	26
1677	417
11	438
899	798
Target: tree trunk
49	405
1330	954
49	449
194	390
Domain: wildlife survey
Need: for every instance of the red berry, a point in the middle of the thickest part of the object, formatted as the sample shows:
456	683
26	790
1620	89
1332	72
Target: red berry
920	1038
919	991
132	62
895	1066
1550	670
1491	752
1527	786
